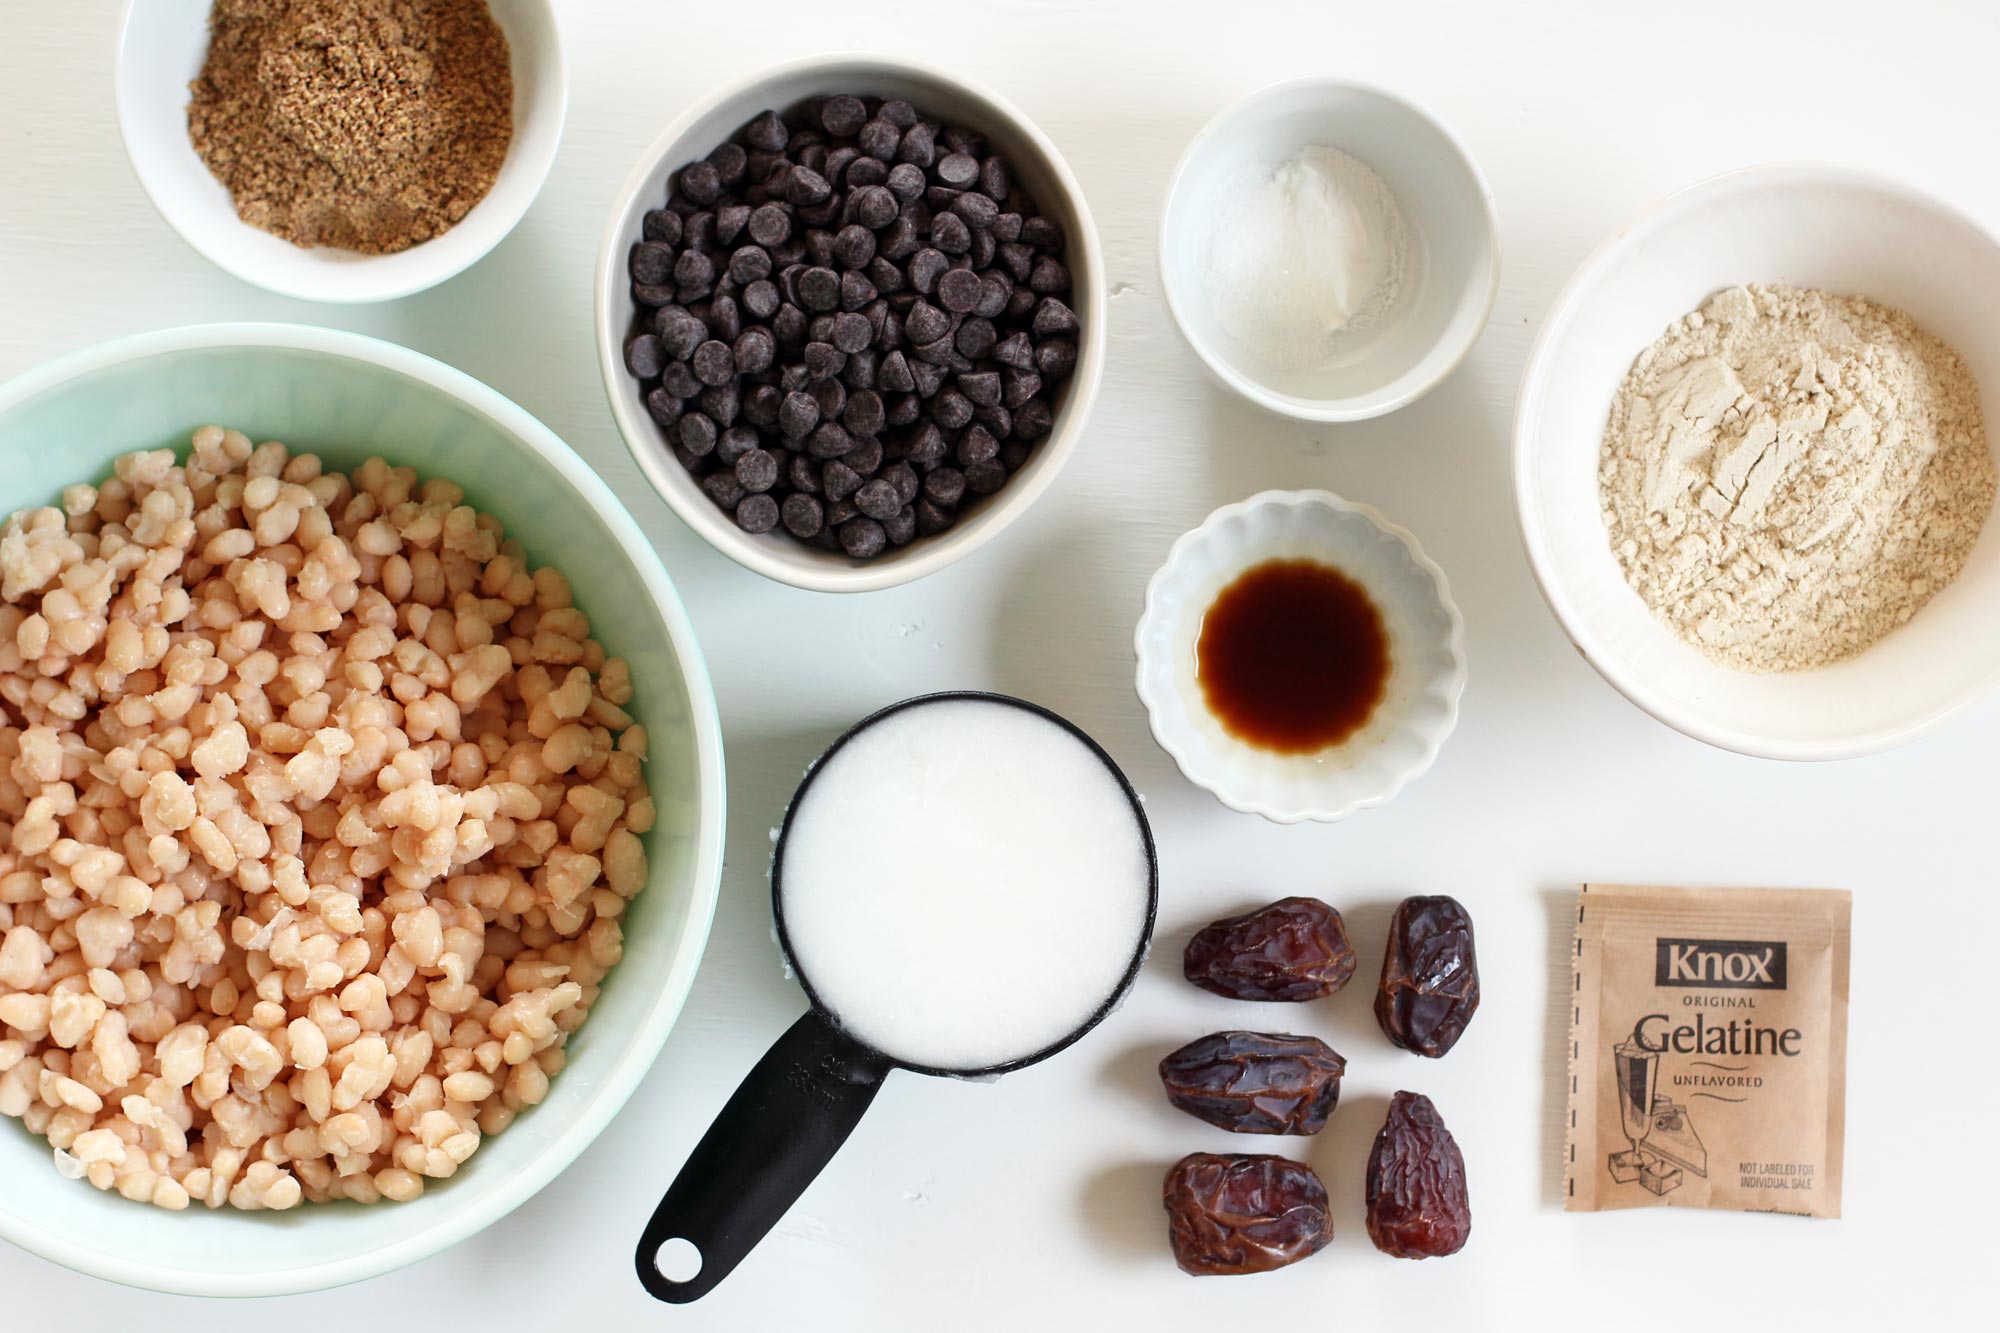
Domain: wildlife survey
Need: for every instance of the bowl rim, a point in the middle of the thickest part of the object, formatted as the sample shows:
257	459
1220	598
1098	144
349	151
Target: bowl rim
695	509
1215	782
1526	449
636	1059
347	285
1327	410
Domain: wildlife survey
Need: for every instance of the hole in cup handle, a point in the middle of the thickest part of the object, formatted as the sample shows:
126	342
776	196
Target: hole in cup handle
784	1122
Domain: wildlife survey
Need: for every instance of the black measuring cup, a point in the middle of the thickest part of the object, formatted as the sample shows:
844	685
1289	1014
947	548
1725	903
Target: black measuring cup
799	1103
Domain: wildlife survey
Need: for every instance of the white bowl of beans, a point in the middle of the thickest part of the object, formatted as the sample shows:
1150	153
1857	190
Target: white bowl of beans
337	833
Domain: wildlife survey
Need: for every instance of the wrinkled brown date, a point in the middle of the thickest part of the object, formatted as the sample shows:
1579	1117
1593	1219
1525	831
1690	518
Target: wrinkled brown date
1255	1082
1295	949
1417	1207
1430	976
1239	1213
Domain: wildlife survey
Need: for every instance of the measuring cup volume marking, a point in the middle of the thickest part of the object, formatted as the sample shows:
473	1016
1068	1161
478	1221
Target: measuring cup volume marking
800	1102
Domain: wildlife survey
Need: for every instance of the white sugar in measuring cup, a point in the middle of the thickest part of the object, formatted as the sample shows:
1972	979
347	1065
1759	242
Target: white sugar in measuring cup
964	885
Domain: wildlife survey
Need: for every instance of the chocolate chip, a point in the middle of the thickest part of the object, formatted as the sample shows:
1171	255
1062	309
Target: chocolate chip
664	226
756	513
697	434
880	140
976	445
761	404
797	415
831	397
985	478
729	161
1042	234
770	224
895	373
919	146
843	115
975	210
802	515
694	269
958	290
950	234
905	182
928	375
652	262
839	480
724	320
679	381
851	332
863	538
951	409
733	444
932	518
803	472
720	403
877	499
1049	275
754	351
856	291
701	182
1018	386
749	263
645	357
926	267
819	289
864	414
730	220
1007	227
805	187
1032	420
854	246
663	407
758	470
713	362
976	338
1055	358
861	369
982	387
724	489
767	132
993	179
829	440
957	170
944	486
926	323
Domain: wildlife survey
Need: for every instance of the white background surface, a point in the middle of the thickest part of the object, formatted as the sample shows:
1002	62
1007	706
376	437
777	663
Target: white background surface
1034	1202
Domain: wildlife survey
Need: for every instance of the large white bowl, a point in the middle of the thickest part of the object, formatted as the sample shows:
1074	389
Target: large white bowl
1806	225
347	397
1419	708
1035	164
1453	272
161	47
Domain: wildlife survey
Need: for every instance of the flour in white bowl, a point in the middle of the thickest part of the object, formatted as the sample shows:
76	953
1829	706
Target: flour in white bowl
1303	254
1788	475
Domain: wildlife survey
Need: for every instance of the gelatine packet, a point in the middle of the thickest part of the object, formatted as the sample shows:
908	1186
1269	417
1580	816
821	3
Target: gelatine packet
1708	1049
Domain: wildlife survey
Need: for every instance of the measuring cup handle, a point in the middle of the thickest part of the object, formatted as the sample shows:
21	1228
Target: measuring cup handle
784	1123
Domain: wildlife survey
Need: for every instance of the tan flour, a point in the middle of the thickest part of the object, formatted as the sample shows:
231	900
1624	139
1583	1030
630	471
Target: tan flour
1789	475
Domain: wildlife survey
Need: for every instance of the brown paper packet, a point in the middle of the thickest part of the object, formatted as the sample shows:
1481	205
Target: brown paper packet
1708	1049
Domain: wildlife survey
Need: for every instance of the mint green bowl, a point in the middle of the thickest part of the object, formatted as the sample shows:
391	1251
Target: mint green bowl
346	397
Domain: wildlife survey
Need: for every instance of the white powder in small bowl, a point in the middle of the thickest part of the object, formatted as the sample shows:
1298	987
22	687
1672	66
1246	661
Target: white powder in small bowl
1304	254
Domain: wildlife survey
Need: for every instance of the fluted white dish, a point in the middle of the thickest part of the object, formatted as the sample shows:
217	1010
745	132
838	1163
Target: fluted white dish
1426	656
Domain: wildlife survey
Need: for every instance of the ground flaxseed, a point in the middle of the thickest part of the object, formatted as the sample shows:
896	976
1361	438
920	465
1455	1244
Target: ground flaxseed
369	125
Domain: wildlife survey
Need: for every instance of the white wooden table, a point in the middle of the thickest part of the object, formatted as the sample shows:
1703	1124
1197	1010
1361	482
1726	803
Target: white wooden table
1033	1202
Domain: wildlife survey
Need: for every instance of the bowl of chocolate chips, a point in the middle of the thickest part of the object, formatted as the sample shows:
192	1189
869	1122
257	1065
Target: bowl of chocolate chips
850	316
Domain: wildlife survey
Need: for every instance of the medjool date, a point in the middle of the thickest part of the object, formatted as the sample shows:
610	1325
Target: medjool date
1417	1207
1239	1213
1255	1082
1294	949
1430	976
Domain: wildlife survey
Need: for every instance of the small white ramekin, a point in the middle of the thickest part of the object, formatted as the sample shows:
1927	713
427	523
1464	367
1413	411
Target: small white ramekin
1454	263
161	48
1426	656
